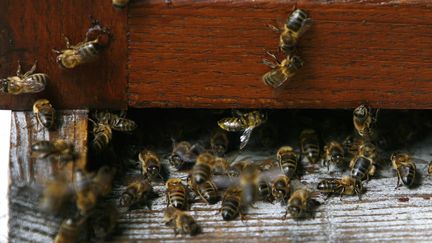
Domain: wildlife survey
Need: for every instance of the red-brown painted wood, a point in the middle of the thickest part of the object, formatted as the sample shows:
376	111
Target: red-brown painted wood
208	54
30	29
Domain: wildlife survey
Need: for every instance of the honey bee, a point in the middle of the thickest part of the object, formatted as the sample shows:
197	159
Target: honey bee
245	122
405	168
202	170
281	188
59	148
363	164
207	190
28	82
120	3
177	194
310	145
363	119
296	25
44	112
183	154
334	153
70	230
300	204
351	145
183	223
219	143
232	203
116	122
265	191
138	191
103	220
86	196
150	164
249	179
288	161
281	71
345	186
220	166
102	181
102	135
55	194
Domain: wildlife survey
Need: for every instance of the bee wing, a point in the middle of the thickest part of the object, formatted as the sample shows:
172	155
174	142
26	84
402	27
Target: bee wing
421	164
244	138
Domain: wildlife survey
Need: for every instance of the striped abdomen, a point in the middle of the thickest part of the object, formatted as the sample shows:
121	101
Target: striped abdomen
407	174
311	150
201	173
230	207
264	191
46	116
296	19
35	83
88	51
328	186
102	137
122	124
177	197
232	124
275	78
288	164
361	168
209	192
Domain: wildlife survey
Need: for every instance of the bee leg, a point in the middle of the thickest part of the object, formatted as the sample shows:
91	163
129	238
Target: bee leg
266	62
18	72
33	68
341	193
285	215
274	28
243	217
398	184
68	45
273	56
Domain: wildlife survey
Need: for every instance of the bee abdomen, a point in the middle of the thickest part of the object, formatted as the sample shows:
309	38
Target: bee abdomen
312	152
296	19
289	166
209	193
177	199
89	51
273	78
361	167
100	141
408	175
327	186
46	117
127	198
231	124
230	209
201	173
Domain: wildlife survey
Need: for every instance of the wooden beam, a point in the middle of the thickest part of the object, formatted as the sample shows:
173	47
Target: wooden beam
208	54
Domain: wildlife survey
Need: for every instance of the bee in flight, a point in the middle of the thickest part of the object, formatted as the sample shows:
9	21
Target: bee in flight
296	25
44	112
281	71
28	82
116	122
70	230
345	186
56	193
245	122
183	223
103	221
59	148
219	143
120	3
405	169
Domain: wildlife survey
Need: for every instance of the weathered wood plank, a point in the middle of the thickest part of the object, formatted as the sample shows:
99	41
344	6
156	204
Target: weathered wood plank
208	54
41	27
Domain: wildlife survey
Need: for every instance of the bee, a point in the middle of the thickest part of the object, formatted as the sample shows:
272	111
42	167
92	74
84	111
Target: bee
334	153
281	71
363	164
102	181
281	188
232	203
351	145
245	122
102	135
116	122
138	191
300	204
150	164
28	82
55	194
70	230
202	170
345	186
288	161
362	119
59	148
219	143
430	168
249	179
220	166
183	223
86	196
183	154
103	220
236	168
177	194
296	25
207	190
405	168
44	112
120	3
310	145
265	191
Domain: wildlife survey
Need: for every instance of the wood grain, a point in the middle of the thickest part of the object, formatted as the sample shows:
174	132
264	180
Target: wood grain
29	30
26	169
208	54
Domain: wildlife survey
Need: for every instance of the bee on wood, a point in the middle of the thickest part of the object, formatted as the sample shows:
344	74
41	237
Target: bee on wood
28	82
96	40
150	164
249	179
232	203
288	161
245	122
296	25
183	223
281	188
120	4
363	164
265	191
139	191
281	71
202	170
430	168
310	145
55	194
103	220
102	135
59	148
345	186
70	230
300	204
334	153
220	166
219	143
184	154
177	195
44	112
405	169
207	191
236	168
86	196
363	119
116	122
